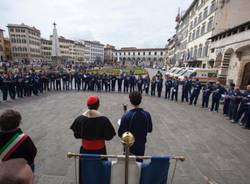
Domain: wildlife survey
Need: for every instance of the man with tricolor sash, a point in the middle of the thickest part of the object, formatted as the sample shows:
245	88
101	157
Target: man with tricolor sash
13	142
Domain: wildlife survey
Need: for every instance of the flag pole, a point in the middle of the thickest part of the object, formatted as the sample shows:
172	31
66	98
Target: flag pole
79	156
127	140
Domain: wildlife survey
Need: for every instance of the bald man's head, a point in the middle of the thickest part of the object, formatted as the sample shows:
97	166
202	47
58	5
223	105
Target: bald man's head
15	171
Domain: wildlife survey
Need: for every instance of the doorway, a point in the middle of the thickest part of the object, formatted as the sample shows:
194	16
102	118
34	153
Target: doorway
246	76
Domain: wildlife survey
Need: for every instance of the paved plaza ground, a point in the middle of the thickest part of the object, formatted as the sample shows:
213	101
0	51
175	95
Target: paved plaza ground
213	147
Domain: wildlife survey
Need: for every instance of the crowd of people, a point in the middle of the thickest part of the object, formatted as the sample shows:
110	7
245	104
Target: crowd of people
18	150
16	145
236	103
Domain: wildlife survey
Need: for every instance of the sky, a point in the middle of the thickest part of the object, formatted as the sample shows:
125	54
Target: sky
122	23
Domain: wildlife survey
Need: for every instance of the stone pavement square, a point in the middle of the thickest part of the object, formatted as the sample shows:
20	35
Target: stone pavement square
213	147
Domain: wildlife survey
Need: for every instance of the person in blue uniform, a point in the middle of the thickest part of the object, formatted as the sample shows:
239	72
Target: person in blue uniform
126	83
105	82
139	83
195	92
26	85
206	92
159	84
119	81
35	81
74	77
175	89
77	77
229	93
246	119
109	82
31	84
132	81
86	79
12	86
19	85
218	91
235	100
113	83
58	82
138	122
91	83
185	89
153	86
146	83
243	105
4	87
64	80
168	86
99	82
40	82
70	82
52	79
45	81
190	84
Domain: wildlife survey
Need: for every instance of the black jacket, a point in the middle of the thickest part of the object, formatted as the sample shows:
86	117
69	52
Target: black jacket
27	150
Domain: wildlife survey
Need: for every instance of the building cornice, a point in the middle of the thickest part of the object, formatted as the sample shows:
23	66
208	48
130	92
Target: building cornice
230	30
23	26
189	9
141	49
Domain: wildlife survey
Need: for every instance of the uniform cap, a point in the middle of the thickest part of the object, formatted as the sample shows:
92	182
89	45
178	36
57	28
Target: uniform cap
92	100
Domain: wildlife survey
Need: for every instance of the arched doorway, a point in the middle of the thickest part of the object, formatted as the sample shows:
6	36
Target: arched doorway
246	76
223	72
218	61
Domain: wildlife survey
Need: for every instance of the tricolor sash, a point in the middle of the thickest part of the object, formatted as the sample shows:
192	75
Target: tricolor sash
12	145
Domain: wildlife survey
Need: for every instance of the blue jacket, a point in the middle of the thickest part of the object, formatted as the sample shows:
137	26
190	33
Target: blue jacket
138	122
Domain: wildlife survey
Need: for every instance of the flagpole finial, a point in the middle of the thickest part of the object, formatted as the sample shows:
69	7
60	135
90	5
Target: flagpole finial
127	139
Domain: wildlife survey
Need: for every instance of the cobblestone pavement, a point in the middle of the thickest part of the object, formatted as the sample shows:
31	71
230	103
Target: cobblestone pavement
213	147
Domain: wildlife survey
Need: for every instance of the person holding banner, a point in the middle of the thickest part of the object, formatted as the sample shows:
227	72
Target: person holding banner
138	122
13	142
93	128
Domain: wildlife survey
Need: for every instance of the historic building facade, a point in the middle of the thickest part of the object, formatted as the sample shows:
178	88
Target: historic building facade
230	48
217	36
193	29
7	49
27	45
70	50
78	52
170	57
230	53
46	49
2	52
108	54
153	57
25	42
94	52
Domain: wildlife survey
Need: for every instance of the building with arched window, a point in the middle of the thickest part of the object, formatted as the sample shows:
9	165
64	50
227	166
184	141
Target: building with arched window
198	23
132	56
202	20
